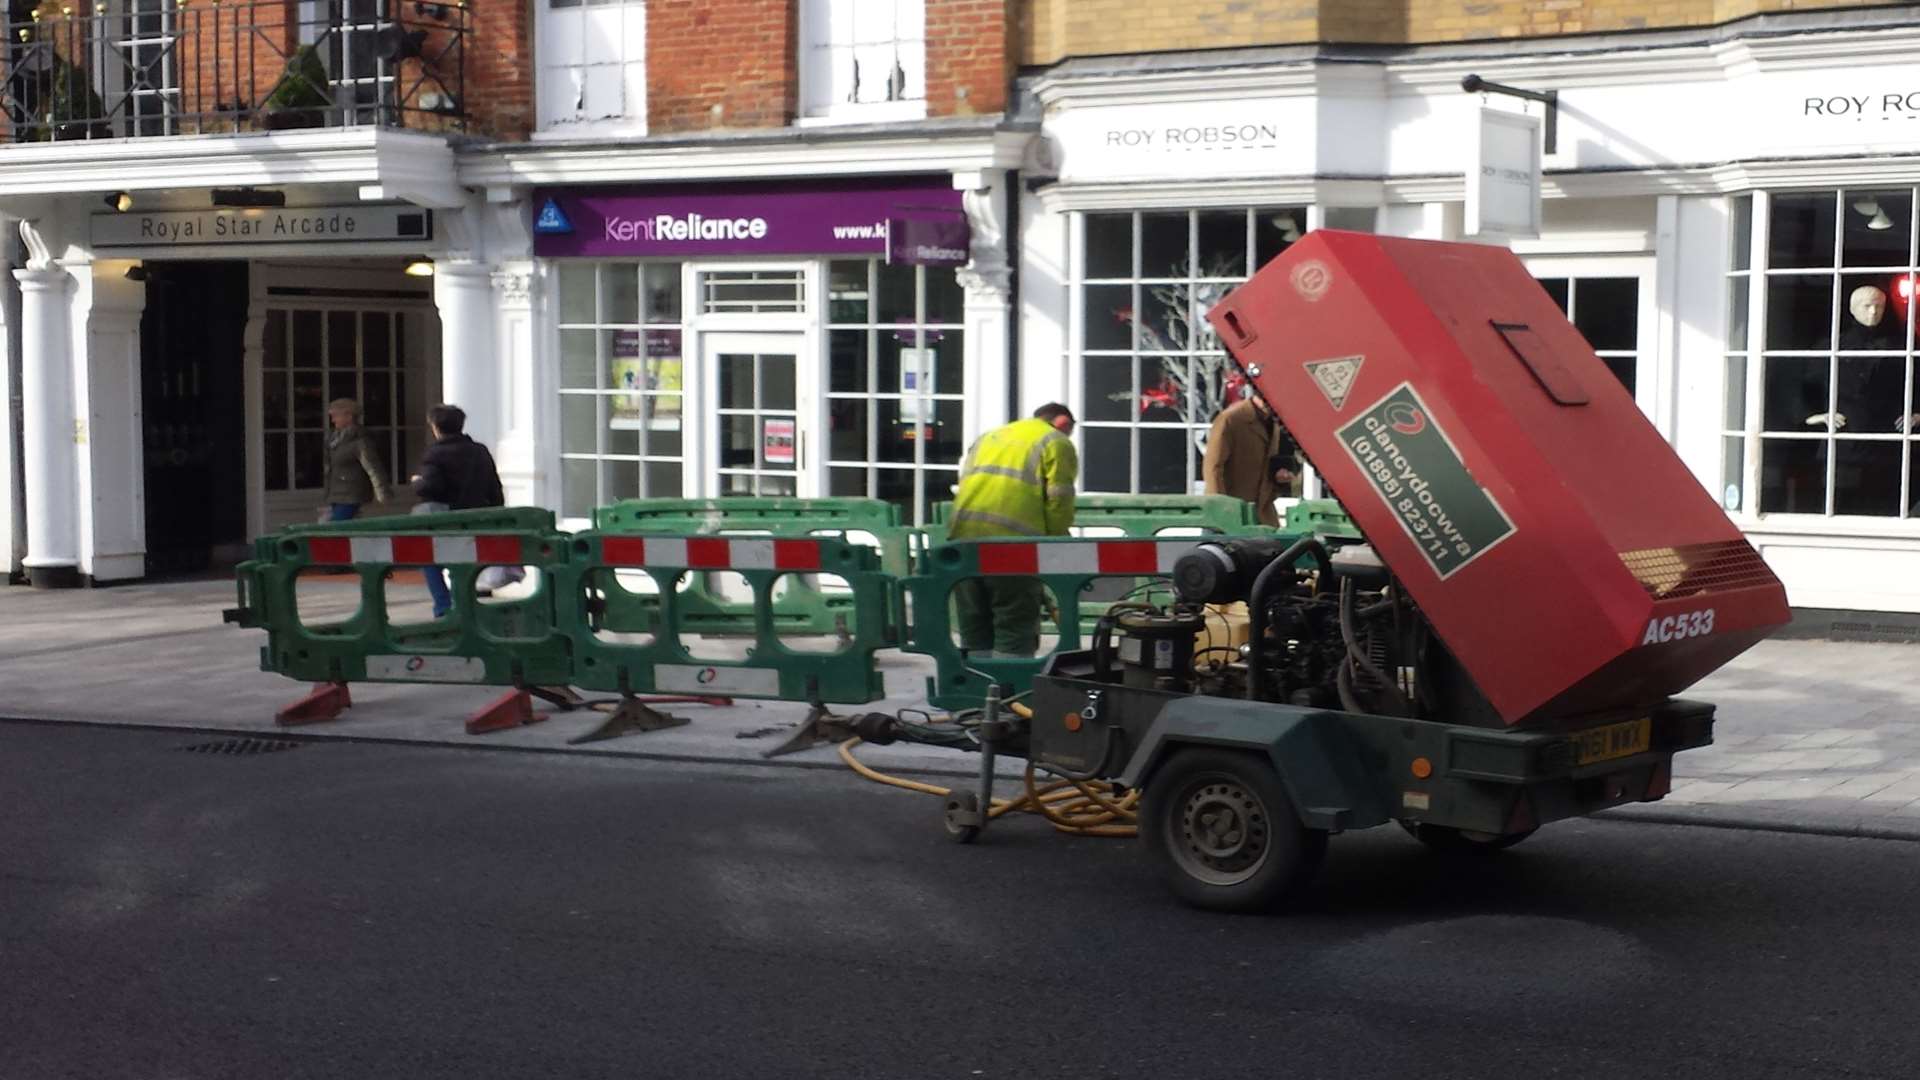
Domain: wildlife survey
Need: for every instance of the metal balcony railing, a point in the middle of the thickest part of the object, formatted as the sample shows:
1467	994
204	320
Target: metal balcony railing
109	69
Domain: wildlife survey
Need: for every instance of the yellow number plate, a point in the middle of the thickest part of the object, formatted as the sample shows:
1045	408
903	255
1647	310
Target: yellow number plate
1613	741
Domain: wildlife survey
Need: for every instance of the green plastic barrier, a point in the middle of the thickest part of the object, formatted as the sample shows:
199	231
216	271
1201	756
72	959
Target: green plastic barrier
804	608
611	653
1143	516
510	642
1320	517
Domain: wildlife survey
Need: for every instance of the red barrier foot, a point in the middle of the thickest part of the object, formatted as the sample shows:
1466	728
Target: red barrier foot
511	710
327	702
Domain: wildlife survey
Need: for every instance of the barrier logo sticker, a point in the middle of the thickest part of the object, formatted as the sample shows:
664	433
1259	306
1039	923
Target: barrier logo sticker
1311	279
706	678
442	669
1335	377
1417	472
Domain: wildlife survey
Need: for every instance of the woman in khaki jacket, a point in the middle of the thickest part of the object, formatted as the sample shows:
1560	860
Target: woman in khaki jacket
355	473
1249	456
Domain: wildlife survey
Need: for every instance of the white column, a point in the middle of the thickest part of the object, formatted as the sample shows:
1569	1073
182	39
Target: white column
7	552
48	424
514	344
987	279
111	458
468	374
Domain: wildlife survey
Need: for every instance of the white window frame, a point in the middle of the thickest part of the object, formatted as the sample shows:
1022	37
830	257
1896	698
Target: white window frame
820	52
1641	268
556	77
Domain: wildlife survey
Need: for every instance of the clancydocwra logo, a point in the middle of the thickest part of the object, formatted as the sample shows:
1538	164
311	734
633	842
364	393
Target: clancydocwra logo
1406	419
415	663
707	675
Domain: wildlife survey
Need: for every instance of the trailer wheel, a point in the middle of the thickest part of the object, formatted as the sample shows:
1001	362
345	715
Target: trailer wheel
1452	841
1225	831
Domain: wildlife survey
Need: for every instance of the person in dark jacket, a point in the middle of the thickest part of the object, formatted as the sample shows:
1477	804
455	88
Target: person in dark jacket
458	474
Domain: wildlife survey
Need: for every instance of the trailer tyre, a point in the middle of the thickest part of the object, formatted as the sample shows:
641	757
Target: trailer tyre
1452	841
1226	833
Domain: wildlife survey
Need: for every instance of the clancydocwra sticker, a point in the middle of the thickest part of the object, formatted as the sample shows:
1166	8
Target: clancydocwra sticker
1689	624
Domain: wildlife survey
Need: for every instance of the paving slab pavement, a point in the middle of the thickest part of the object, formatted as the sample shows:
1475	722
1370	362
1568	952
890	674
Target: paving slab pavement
1814	736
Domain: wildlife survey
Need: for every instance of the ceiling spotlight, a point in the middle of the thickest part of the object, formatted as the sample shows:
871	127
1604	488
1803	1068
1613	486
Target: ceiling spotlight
1880	222
120	202
136	272
1288	225
420	268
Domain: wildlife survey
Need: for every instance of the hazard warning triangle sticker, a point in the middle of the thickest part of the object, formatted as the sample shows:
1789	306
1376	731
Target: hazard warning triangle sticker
1335	377
552	220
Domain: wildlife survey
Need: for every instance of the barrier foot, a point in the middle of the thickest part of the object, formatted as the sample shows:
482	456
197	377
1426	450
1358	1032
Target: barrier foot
820	726
327	702
510	710
631	715
564	698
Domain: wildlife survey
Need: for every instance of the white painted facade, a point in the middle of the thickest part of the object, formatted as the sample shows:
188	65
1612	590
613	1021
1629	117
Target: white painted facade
1655	147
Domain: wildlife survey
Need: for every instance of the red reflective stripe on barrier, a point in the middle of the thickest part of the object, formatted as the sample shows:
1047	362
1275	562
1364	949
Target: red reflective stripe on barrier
413	550
796	554
1009	559
497	549
330	549
1129	557
623	551
708	553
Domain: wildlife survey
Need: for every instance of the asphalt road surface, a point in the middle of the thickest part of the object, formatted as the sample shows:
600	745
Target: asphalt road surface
356	910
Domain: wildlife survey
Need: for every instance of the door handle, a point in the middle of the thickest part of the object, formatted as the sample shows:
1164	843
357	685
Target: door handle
803	451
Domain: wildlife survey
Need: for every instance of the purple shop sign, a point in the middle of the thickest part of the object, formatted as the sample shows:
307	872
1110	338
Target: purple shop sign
906	221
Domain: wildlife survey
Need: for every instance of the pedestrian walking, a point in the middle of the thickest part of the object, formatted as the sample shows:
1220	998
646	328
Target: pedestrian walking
456	473
356	475
1250	456
1017	481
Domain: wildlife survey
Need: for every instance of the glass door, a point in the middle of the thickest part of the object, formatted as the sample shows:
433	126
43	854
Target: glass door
760	425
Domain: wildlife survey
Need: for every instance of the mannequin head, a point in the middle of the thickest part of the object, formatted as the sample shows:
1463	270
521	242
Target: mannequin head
1868	305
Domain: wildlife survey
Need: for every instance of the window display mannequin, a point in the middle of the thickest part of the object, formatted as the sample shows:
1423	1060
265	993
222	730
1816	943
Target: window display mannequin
1868	396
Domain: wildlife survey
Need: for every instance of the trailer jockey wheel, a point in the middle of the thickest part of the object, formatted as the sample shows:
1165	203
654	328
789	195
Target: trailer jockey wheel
1225	831
1452	841
963	817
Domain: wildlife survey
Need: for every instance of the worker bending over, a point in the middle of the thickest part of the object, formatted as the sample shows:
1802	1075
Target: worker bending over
1017	481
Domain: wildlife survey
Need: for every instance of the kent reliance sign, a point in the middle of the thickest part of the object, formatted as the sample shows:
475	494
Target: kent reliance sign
906	221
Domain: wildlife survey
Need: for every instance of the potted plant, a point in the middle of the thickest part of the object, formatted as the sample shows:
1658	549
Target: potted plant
300	98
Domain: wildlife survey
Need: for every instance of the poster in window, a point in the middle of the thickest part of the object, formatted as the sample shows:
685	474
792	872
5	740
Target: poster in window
645	373
777	439
916	383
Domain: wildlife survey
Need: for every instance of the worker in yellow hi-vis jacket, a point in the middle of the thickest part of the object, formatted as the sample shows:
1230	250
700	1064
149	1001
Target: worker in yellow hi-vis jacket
1017	481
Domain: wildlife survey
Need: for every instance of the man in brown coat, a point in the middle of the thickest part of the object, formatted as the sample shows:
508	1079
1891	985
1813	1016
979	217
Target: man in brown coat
1241	456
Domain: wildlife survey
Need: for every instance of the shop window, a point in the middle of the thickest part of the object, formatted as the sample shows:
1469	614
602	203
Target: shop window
310	358
592	56
1152	374
863	60
621	393
1820	405
1606	311
753	292
896	384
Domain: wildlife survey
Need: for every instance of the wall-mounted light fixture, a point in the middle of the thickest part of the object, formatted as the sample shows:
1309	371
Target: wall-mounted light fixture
136	272
420	268
120	202
248	196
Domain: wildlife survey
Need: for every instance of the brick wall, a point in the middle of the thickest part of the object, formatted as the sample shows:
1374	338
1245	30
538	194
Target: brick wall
1053	30
500	71
721	64
969	56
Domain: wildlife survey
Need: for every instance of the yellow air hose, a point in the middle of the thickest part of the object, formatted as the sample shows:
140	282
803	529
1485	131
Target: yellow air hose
1072	806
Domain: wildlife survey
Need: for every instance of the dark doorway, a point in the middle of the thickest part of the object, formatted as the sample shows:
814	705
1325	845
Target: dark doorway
193	393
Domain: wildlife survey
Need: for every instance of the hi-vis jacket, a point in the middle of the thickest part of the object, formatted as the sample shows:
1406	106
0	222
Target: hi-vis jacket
1017	481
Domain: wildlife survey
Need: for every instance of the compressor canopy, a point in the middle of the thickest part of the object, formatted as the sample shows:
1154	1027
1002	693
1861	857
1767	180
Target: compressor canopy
1554	541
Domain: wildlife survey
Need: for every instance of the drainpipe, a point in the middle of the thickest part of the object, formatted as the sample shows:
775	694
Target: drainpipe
16	405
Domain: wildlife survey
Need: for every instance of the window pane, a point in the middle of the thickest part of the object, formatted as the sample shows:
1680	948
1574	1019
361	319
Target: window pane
1609	312
663	292
1109	316
1742	229
309	460
622	479
579	420
342	339
1109	388
1165	323
1733	466
1735	413
309	401
847	482
664	480
576	292
847	421
1879	224
1223	244
579	360
896	435
620	293
736	381
1109	245
1274	231
946	301
1106	463
664	438
1737	296
274	461
1795	395
577	488
306	339
897	299
274	343
1866	478
273	385
1800	312
1163	460
1163	246
1561	289
1162	400
847	361
1624	368
1793	476
777	381
847	291
945	446
1801	230
1869	393
1869	322
948	355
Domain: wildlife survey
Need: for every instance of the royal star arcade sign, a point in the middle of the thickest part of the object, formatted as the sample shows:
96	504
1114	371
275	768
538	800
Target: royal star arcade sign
240	227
